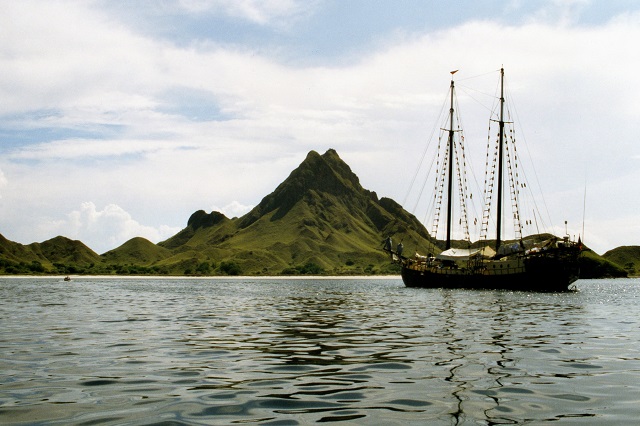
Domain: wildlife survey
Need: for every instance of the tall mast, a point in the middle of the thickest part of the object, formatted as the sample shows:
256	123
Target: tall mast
500	161
450	183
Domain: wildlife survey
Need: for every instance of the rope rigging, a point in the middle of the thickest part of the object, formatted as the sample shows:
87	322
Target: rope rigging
456	158
450	165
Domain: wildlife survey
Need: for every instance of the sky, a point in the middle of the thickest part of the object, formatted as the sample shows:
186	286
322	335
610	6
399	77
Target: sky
121	118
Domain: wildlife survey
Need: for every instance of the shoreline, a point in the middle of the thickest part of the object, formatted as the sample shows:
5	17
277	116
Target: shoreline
213	277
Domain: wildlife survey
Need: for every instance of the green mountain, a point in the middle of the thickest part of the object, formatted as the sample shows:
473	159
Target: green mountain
63	250
627	257
57	255
16	252
593	265
320	220
139	251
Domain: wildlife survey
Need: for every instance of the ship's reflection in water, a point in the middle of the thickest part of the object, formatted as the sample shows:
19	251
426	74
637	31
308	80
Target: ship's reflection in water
306	351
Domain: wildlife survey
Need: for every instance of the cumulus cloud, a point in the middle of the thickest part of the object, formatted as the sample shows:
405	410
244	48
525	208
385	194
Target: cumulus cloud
105	229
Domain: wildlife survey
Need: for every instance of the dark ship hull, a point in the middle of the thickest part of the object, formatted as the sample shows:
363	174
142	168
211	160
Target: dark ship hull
553	272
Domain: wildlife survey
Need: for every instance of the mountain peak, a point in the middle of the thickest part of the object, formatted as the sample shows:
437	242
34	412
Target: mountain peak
201	219
325	173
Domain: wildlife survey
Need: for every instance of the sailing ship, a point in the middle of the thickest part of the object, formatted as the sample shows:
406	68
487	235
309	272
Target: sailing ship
519	264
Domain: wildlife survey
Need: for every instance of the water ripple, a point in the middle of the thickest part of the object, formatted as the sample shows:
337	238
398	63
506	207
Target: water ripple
289	352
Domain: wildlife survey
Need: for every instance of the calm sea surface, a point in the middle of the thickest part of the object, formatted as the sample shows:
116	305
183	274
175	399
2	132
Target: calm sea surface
114	351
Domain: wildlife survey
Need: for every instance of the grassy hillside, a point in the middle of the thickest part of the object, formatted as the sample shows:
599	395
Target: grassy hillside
137	250
318	221
59	255
63	250
16	258
594	266
16	252
627	257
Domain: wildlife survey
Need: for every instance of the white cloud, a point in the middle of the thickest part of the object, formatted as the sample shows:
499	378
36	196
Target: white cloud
3	182
73	149
105	229
233	209
58	55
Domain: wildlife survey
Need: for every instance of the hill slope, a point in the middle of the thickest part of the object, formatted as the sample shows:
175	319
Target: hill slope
627	257
139	250
319	220
64	250
57	255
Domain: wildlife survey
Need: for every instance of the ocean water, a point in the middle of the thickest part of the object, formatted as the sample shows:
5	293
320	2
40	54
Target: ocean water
125	351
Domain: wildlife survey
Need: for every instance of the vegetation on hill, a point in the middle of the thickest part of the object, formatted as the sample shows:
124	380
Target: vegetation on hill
594	266
627	257
59	255
319	221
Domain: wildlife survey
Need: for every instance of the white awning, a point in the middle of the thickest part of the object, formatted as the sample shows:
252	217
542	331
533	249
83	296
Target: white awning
464	254
457	254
